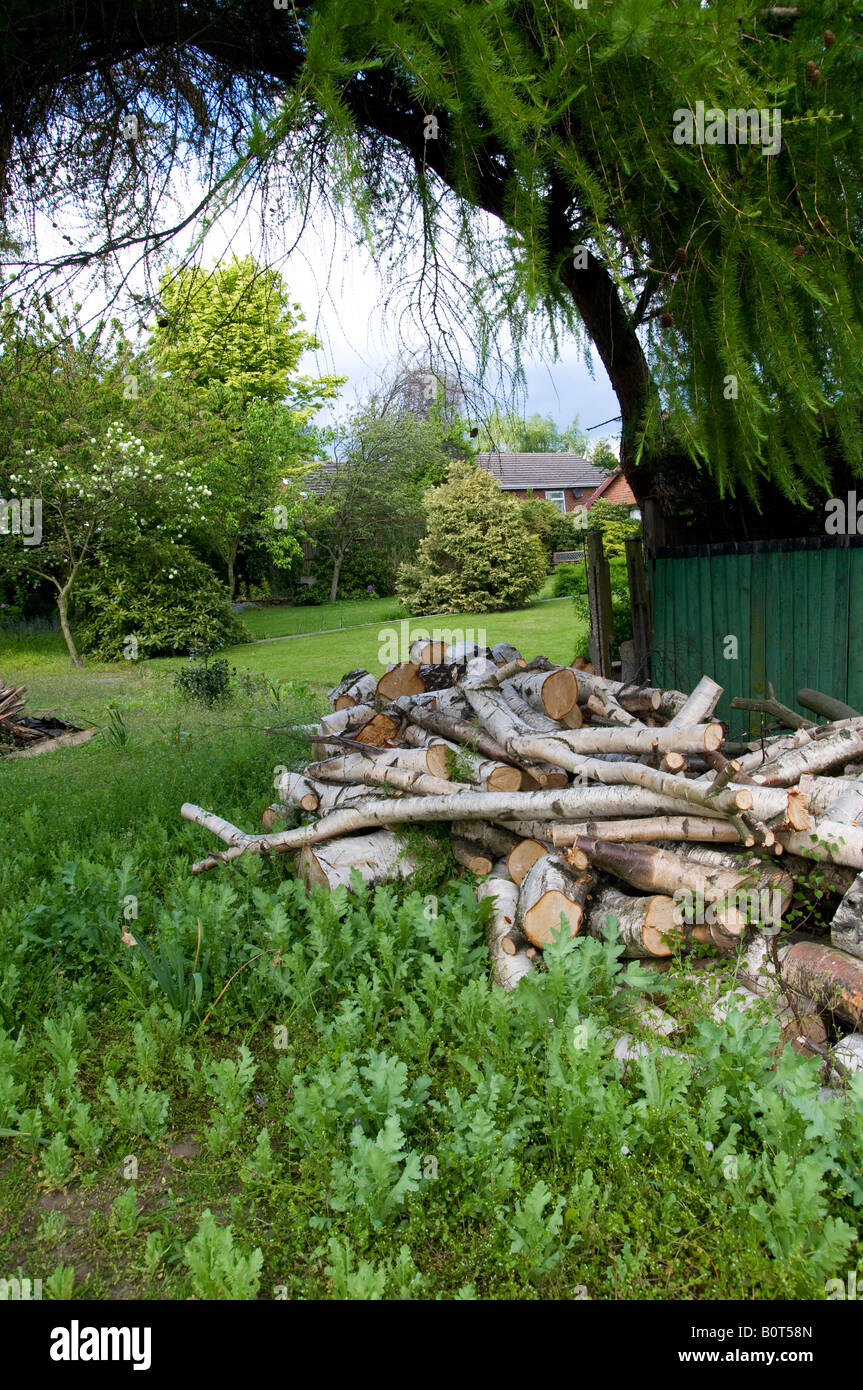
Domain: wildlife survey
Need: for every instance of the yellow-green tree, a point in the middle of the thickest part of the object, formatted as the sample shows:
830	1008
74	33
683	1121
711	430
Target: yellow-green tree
230	341
478	555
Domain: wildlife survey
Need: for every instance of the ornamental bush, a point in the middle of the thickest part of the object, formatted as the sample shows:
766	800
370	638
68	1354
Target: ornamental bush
478	555
161	595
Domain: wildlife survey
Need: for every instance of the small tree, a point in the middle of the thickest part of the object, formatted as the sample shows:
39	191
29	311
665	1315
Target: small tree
478	554
545	520
231	344
372	494
615	523
96	498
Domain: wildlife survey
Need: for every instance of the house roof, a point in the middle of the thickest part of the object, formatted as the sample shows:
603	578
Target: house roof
516	472
629	498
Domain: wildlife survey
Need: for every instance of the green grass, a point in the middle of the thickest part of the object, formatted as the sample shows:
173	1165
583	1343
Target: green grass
329	1075
546	628
284	620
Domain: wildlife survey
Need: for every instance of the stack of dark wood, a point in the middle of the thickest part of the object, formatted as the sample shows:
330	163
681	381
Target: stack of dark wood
13	698
589	805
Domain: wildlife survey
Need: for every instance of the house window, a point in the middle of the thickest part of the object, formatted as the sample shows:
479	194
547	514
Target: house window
557	498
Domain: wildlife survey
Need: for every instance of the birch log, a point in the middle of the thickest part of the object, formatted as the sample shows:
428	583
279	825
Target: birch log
848	807
360	693
641	741
818	755
829	841
646	926
523	856
553	693
647	830
735	897
504	652
832	978
348	681
699	706
458	731
470	856
526	713
374	857
426	652
846	929
508	967
549	891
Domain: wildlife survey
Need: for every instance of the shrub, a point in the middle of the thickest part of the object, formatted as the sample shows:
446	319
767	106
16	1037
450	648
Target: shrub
553	527
569	580
478	555
160	594
615	523
209	682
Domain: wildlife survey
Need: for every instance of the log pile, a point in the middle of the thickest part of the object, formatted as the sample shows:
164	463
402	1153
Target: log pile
591	806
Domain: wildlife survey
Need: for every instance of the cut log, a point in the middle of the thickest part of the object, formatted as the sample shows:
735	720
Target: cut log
374	857
504	652
425	652
733	897
846	929
553	693
458	731
295	790
380	730
526	714
498	842
508	965
523	856
470	857
589	741
549	891
647	830
646	926
829	841
825	705
348	681
543	777
639	700
355	769
700	705
818	755
604	709
403	679
848	806
832	978
361	693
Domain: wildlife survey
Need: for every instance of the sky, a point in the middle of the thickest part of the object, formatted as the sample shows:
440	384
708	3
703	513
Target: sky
343	294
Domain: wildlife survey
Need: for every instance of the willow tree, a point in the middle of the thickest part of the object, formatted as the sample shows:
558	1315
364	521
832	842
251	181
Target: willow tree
677	183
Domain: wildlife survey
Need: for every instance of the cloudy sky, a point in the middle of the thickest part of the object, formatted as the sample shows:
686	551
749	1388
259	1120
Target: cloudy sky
343	295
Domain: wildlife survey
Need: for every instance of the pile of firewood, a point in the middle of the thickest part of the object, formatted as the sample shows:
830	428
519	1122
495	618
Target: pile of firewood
588	805
13	699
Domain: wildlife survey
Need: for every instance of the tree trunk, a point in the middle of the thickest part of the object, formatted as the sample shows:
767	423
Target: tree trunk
507	968
832	978
523	856
338	560
550	890
374	857
846	929
553	693
647	830
700	705
734	896
645	925
232	582
62	609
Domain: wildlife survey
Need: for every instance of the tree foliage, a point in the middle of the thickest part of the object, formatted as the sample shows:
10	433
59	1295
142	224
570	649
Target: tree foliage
504	431
478	555
719	286
370	492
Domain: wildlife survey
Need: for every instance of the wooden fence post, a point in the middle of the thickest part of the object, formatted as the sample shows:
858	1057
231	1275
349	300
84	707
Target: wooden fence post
599	602
639	599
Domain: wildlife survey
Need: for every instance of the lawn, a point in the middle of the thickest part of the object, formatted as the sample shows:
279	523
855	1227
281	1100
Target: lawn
546	628
264	1093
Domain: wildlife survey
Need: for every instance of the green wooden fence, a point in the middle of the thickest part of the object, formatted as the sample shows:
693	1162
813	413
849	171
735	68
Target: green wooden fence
789	612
